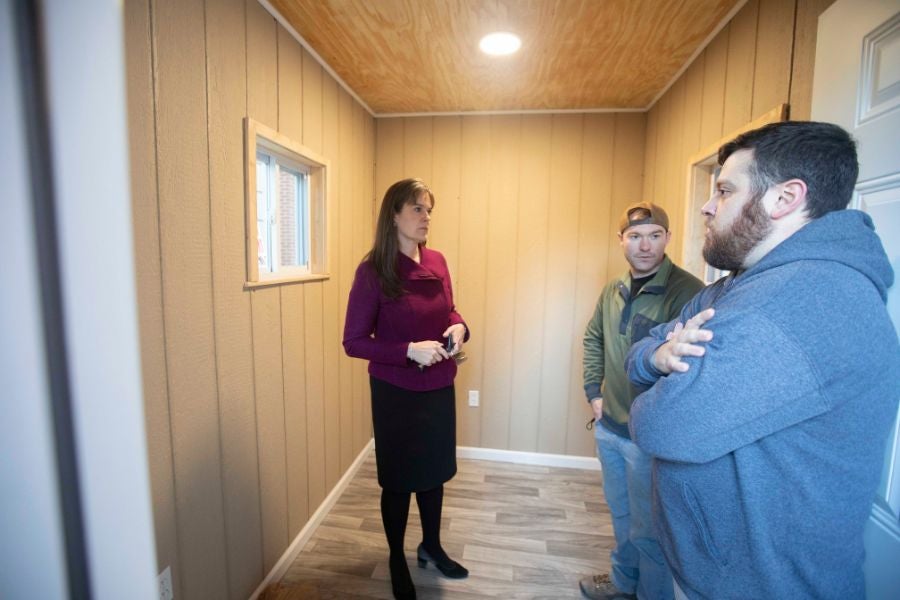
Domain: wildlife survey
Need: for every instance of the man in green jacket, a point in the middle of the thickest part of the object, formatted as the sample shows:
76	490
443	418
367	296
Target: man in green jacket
652	291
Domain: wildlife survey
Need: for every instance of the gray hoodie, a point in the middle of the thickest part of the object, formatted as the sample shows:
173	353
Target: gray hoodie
770	448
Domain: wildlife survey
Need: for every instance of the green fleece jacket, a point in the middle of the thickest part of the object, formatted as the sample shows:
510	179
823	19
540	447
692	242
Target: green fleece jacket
619	321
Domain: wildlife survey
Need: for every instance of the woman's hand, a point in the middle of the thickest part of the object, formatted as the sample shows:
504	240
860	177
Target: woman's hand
456	332
426	353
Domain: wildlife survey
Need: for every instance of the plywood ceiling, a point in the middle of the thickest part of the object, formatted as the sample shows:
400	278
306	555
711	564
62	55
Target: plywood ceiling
422	56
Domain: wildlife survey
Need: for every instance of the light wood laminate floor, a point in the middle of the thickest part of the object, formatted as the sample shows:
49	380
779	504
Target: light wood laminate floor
523	531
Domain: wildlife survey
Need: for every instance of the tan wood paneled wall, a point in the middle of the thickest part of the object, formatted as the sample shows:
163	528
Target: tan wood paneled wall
253	411
524	212
762	58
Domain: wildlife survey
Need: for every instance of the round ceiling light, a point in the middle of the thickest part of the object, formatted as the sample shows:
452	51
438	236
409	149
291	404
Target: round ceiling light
499	43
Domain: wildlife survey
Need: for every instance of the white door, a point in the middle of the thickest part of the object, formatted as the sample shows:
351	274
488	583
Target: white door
857	85
75	506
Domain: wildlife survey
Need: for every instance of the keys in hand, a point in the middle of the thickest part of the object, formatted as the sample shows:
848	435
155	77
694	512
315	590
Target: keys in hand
457	355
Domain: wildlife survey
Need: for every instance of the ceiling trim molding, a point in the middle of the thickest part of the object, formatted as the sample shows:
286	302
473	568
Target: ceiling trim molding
473	113
284	23
693	57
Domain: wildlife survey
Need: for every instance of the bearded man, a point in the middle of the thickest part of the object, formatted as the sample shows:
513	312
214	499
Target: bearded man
774	391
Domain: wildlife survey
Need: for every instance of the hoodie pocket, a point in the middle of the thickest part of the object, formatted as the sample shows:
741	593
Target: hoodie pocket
694	506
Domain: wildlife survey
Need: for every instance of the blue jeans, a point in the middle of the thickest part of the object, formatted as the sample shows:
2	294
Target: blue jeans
638	565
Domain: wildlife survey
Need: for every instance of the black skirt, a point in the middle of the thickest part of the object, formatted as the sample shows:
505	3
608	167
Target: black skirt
415	436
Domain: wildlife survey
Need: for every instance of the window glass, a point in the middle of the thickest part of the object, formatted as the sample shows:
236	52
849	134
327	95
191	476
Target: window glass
263	197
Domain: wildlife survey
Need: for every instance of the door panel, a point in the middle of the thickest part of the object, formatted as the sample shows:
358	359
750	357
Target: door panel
857	85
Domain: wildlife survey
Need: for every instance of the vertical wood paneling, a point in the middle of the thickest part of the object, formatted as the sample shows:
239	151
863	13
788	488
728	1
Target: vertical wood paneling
650	143
693	107
362	242
270	417
389	150
226	72
616	261
290	85
313	308
292	314
445	182
227	371
312	103
671	198
362	235
534	228
472	273
262	105
662	184
500	293
740	67
715	64
594	227
331	329
628	158
418	148
531	257
262	65
690	144
293	348
145	219
346	267
558	322
805	30
445	227
762	58
187	295
366	169
774	47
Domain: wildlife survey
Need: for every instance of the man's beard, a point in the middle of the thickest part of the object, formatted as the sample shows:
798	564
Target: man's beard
727	250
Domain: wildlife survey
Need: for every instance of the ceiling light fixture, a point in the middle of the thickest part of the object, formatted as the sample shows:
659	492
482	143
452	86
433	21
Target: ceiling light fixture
499	43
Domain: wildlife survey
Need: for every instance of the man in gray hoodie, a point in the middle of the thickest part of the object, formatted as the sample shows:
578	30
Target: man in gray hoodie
774	392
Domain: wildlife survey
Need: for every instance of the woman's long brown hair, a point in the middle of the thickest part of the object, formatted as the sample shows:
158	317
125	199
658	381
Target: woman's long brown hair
383	254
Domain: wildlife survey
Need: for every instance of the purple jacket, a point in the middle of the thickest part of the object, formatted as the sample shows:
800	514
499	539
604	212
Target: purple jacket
380	329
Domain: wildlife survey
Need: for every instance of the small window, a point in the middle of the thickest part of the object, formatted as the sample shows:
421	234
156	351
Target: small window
286	188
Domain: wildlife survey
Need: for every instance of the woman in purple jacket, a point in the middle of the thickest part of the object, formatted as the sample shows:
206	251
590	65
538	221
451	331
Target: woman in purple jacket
401	318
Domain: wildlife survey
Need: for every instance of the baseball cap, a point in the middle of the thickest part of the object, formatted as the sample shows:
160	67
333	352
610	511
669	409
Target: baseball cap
643	213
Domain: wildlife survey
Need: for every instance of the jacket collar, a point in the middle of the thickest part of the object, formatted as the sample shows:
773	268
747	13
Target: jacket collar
657	285
409	269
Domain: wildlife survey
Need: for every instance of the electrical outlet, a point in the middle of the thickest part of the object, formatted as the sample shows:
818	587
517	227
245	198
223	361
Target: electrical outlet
165	585
473	398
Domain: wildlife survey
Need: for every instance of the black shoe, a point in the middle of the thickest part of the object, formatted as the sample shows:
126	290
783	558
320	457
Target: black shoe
401	582
450	568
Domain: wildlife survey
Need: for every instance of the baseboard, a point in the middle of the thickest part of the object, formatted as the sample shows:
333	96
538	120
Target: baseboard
530	458
315	520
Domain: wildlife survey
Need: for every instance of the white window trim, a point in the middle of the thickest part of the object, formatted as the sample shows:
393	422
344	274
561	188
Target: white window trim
258	136
701	167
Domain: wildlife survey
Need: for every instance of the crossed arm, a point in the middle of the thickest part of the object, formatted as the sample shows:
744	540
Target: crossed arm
715	385
664	349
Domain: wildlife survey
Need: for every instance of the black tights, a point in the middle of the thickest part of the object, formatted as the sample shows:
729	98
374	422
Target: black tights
395	512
